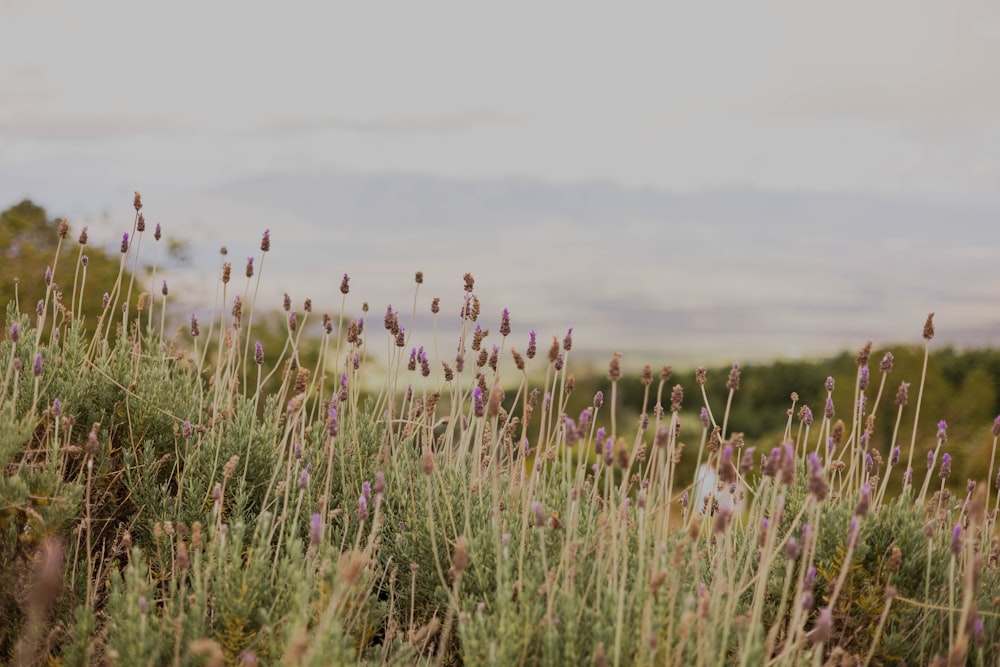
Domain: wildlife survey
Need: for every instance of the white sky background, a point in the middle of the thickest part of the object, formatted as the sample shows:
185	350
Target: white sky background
688	180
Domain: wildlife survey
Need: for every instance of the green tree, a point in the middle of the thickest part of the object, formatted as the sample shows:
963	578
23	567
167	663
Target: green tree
28	243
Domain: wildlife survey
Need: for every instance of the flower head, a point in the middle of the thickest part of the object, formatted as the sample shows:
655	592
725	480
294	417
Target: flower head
945	471
315	529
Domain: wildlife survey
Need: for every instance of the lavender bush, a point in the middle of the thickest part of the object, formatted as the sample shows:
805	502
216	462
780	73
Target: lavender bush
205	497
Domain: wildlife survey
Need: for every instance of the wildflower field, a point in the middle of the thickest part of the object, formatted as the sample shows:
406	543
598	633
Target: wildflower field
192	496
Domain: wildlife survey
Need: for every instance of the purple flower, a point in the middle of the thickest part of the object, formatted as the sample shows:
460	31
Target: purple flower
157	232
15	335
505	323
37	369
828	411
425	364
258	353
568	340
823	629
864	501
829	383
536	507
56	407
48	275
265	241
599	401
945	471
996	427
379	486
186	430
894	457
956	540
886	365
164	288
40	307
863	375
124	247
304	479
194	326
478	408
706	421
806	415
532	345
930	459
315	529
362	507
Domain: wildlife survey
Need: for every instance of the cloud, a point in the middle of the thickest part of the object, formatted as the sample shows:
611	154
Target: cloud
49	128
443	124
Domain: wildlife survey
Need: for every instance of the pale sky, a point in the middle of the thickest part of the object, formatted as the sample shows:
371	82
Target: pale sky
682	179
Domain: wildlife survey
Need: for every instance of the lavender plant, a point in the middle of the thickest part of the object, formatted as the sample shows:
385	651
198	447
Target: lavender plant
206	498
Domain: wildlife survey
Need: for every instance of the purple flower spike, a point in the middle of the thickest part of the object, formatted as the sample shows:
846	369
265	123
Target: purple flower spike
599	401
828	411
945	471
478	407
829	384
894	457
315	529
362	507
886	365
942	434
536	507
37	369
124	247
15	335
956	540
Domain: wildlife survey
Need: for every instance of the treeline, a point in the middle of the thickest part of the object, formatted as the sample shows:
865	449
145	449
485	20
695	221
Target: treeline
960	388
